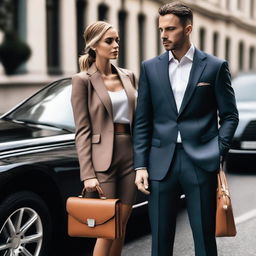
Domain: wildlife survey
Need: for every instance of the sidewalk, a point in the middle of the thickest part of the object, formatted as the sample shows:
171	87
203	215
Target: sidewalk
244	244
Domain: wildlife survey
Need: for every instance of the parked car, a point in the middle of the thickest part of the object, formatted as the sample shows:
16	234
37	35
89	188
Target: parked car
242	155
38	170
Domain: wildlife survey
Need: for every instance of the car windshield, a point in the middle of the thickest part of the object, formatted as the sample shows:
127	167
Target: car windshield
50	107
245	87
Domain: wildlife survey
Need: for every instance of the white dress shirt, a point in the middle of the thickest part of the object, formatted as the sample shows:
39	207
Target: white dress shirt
120	106
179	75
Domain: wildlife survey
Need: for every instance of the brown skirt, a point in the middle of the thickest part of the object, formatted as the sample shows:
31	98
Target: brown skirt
118	180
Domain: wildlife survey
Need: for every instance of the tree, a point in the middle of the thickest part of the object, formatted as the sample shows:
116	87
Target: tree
13	51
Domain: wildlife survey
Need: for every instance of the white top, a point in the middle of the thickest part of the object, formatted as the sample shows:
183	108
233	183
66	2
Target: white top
120	106
179	75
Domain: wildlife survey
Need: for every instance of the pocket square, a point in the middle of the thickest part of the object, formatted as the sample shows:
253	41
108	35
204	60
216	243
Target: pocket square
203	84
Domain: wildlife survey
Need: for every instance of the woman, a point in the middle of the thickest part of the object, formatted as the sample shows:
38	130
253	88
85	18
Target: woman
103	101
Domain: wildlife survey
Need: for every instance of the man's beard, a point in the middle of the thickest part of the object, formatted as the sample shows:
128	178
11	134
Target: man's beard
169	46
172	46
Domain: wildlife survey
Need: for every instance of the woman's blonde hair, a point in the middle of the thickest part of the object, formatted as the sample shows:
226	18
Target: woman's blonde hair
92	34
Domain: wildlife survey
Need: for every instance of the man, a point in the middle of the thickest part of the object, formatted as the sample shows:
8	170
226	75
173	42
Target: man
177	141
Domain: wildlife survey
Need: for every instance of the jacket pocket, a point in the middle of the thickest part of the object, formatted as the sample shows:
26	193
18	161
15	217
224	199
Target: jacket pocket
208	136
156	142
95	138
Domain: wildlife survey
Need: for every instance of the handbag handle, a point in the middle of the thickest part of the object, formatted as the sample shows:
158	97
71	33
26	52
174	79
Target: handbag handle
99	190
221	174
223	185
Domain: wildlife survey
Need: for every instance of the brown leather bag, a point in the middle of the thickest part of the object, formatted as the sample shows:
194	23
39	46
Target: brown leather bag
94	217
225	224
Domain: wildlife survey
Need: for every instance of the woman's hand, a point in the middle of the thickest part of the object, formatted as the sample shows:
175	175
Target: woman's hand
90	185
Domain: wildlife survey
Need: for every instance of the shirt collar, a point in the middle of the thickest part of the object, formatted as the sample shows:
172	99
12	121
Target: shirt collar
189	55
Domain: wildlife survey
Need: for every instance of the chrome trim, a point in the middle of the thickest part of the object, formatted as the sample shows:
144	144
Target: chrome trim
36	142
237	151
140	204
146	202
31	150
248	145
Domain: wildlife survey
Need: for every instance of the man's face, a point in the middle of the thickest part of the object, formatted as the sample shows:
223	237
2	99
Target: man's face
173	33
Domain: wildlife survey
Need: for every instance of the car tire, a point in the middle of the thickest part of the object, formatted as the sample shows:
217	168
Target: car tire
25	225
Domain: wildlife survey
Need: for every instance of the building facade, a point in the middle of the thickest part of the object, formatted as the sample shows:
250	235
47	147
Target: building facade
53	29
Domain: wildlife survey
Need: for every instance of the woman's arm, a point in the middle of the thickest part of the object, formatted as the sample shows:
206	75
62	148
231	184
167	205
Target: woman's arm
79	101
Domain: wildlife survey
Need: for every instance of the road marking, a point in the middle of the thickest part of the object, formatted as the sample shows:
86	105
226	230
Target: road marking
245	217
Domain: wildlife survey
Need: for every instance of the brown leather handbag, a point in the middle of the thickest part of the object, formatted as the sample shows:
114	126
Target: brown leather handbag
94	217
225	224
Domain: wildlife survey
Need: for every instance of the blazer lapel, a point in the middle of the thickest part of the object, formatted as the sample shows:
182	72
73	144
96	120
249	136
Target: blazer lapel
162	67
99	86
130	92
195	73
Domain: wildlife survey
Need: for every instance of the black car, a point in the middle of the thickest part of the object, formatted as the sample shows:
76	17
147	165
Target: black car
242	155
38	170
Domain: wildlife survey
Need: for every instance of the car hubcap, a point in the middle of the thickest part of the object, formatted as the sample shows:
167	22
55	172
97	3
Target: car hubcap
21	234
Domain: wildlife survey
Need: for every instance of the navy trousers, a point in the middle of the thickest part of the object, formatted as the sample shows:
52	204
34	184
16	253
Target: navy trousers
199	187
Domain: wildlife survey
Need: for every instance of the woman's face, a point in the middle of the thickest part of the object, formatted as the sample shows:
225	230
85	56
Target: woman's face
108	46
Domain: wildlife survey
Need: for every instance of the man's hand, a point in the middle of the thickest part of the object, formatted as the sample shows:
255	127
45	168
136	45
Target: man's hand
141	181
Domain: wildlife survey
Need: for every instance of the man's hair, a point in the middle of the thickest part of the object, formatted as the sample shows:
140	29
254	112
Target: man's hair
179	9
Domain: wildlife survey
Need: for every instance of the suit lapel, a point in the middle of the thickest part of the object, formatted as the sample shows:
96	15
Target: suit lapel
130	92
99	86
162	67
198	66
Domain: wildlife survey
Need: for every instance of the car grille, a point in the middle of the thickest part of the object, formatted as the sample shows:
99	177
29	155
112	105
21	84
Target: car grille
249	133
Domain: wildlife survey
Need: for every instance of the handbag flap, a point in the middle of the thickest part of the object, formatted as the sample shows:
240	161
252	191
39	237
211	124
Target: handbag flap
98	210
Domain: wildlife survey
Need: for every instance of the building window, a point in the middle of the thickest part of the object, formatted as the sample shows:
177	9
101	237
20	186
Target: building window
215	43
252	58
141	21
19	26
227	49
80	20
239	7
16	15
228	5
122	17
53	46
202	39
252	6
103	12
241	55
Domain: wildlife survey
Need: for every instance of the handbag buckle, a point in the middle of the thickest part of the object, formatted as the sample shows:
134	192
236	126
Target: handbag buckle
91	223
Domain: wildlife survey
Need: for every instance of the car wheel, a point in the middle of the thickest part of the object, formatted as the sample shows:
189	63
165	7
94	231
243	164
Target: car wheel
25	225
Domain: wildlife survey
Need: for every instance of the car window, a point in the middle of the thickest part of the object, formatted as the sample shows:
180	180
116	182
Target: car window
50	106
245	88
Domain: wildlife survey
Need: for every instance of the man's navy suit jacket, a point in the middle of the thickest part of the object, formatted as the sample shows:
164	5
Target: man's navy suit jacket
208	97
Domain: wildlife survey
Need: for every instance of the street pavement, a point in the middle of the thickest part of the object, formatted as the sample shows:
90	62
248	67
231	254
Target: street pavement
243	192
244	244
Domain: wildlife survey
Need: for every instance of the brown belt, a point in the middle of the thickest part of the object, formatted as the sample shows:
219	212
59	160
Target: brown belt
122	128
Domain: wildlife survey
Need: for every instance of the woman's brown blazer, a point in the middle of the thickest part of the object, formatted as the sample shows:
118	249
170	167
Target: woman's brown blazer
93	116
